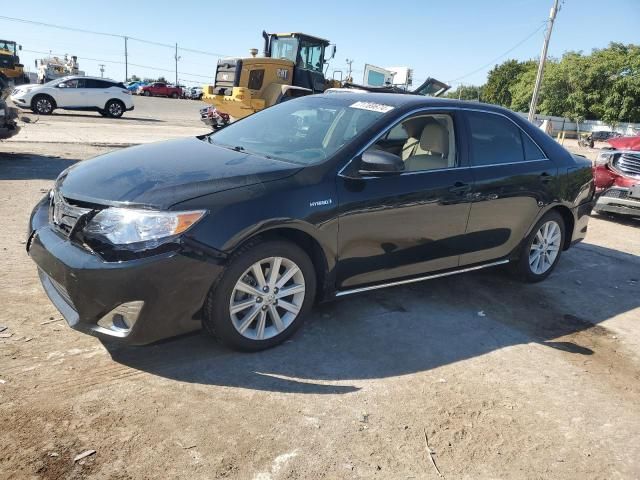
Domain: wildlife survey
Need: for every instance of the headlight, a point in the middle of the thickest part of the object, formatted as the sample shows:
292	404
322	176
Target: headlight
124	226
603	158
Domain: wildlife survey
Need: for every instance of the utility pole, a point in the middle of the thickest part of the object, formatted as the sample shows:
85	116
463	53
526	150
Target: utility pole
543	58
102	70
126	61
177	58
349	62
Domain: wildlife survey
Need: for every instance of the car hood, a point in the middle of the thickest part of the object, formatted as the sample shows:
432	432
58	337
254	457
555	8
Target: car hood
26	88
625	143
159	175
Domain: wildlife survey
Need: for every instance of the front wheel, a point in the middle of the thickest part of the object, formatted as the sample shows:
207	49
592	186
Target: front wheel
147	93
262	297
114	108
542	249
174	95
42	105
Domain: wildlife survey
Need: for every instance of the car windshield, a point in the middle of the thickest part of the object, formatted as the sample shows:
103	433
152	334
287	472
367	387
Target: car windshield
307	130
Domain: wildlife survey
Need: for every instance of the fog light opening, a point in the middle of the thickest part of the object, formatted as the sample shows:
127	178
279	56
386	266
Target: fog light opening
119	321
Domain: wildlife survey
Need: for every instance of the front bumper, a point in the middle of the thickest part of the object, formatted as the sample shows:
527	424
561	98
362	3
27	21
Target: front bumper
136	301
618	200
21	102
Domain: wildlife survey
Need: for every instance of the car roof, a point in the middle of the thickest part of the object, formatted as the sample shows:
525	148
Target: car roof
408	100
73	77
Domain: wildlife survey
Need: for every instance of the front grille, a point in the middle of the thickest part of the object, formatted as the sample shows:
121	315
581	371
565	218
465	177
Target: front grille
628	163
227	76
63	215
616	193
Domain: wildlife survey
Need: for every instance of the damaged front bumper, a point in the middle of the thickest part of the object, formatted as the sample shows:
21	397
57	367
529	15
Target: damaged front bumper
136	301
625	201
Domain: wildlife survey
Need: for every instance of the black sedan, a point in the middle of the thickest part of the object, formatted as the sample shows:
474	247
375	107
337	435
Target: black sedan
242	230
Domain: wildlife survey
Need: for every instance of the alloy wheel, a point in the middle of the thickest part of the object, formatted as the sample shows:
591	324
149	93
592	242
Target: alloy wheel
267	298
43	106
545	247
115	109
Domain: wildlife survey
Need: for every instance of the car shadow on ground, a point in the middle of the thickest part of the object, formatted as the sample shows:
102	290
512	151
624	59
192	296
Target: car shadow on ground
414	328
25	166
125	117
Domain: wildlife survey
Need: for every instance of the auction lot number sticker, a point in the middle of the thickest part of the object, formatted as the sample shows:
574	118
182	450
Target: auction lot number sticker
372	106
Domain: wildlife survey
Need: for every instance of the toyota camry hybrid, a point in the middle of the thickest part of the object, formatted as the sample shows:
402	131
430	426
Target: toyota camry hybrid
242	230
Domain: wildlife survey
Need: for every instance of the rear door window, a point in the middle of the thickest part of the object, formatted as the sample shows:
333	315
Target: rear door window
494	139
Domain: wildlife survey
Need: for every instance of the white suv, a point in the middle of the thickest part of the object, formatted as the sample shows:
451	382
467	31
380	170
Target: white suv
109	98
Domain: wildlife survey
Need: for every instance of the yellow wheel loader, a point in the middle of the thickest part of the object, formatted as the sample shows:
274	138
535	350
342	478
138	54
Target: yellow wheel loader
11	70
292	66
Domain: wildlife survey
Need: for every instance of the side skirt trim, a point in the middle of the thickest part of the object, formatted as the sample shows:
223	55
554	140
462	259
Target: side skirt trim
342	293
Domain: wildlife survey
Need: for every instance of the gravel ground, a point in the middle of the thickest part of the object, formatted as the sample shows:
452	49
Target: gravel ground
505	380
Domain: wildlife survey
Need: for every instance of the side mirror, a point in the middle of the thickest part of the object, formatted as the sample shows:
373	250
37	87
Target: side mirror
333	52
62	85
379	162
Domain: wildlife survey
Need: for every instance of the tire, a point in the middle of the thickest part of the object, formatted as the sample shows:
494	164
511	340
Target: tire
114	108
42	105
532	267
147	93
174	95
254	315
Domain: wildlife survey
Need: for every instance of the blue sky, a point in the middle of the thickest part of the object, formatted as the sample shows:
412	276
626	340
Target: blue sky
446	40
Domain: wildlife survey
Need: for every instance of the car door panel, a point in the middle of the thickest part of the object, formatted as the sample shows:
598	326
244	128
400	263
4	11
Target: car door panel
507	199
507	195
67	97
83	94
401	226
406	224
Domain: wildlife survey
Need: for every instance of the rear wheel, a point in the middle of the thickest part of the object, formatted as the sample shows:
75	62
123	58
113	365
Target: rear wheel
42	105
542	249
114	108
262	297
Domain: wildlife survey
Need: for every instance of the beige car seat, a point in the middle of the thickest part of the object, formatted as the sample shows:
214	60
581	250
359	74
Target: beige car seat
431	151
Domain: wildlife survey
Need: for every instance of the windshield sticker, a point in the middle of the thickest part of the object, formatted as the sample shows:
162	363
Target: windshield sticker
372	107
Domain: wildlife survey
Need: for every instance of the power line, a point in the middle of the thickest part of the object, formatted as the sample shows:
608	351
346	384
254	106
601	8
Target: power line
150	67
106	34
502	55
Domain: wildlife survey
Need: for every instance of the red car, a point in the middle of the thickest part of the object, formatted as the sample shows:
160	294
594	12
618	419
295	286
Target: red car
159	89
617	177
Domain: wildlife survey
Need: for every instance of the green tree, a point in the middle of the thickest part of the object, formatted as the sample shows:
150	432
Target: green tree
133	78
500	79
466	92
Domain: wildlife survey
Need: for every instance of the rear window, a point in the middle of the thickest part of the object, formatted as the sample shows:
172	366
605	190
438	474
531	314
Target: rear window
95	83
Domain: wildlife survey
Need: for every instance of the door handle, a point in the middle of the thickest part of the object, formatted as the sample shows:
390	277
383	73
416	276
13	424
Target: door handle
460	187
546	177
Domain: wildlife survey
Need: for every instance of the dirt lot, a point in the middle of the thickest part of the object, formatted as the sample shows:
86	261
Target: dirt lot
507	380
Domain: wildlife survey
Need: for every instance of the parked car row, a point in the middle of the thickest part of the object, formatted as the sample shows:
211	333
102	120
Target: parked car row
163	89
